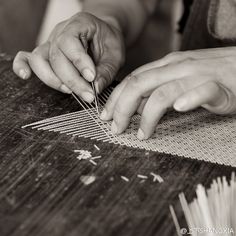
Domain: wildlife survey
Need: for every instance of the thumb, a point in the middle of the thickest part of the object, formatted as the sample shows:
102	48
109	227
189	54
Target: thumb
21	65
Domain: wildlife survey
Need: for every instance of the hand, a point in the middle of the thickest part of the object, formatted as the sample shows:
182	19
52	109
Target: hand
63	62
182	80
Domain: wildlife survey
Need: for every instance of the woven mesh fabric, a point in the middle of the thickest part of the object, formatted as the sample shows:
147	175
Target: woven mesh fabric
197	135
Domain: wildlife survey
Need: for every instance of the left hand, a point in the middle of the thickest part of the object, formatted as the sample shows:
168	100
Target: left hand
63	63
182	80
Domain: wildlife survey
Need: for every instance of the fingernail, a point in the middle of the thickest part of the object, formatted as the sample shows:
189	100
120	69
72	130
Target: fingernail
180	104
97	86
88	74
23	74
140	135
103	115
87	96
65	89
114	129
101	83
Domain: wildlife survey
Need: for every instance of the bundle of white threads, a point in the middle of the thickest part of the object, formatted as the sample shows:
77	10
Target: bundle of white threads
212	212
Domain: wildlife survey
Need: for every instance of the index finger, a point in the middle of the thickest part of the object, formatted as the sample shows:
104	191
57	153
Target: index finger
109	107
74	47
126	104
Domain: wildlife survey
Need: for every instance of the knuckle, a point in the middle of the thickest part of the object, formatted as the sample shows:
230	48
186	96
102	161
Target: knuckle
118	112
70	83
77	59
134	81
18	57
167	94
176	87
161	95
69	27
82	16
213	86
61	39
180	56
20	54
53	54
83	21
163	98
79	15
32	59
59	26
188	61
36	51
79	18
78	26
188	65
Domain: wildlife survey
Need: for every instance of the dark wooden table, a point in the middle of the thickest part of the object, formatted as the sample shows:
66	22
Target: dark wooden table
41	193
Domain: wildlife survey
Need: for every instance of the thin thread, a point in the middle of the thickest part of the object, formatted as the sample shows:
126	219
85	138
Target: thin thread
89	113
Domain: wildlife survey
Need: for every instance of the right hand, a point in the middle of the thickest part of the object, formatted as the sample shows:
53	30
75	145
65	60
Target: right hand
63	62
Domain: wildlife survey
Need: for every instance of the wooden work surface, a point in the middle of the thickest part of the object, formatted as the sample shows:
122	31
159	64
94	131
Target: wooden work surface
40	188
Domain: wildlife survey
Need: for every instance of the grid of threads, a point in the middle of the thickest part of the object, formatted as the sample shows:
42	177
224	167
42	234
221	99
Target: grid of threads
198	135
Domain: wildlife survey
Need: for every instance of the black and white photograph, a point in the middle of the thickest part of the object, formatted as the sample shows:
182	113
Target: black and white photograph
117	117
